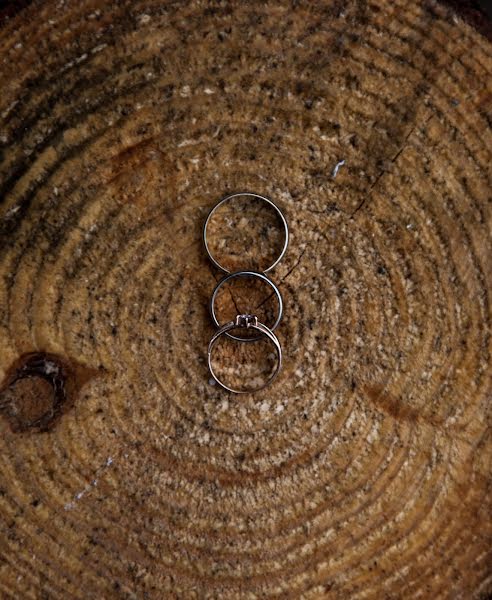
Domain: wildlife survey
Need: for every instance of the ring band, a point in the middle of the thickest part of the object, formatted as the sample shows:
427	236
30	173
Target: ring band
254	274
247	321
231	197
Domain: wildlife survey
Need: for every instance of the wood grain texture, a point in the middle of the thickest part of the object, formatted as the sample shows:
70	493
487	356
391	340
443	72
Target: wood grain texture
364	472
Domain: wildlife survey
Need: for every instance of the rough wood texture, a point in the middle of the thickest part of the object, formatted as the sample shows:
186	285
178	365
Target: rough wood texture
364	472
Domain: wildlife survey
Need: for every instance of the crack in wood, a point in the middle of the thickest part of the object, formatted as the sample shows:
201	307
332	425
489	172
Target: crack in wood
383	171
289	272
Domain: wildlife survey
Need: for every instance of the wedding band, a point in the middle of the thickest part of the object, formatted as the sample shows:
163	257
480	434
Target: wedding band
230	198
253	274
245	321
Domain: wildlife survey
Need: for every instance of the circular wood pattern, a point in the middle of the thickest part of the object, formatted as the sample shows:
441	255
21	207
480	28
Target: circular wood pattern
364	471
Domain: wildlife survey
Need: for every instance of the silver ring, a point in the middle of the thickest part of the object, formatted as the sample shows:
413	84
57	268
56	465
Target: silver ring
247	321
231	197
260	276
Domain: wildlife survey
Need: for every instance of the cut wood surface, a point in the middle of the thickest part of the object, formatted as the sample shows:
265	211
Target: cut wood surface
364	471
